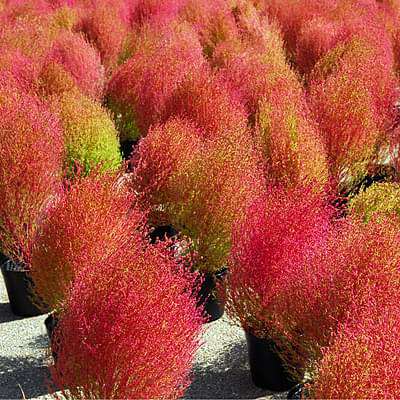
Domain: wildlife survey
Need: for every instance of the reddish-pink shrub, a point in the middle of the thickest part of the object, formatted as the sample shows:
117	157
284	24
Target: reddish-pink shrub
213	21
207	100
105	29
352	96
140	88
356	258
160	156
362	360
87	223
79	60
130	329
277	234
31	154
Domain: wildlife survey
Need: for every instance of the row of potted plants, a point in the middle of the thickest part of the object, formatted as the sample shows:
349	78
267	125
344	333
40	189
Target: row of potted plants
251	130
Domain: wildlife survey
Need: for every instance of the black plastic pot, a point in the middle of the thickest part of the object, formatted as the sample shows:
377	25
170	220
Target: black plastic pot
19	284
213	307
266	367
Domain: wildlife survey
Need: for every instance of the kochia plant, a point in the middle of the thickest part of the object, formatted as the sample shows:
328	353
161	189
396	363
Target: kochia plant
379	199
362	359
140	88
31	153
277	234
89	133
76	59
130	329
88	222
199	186
356	258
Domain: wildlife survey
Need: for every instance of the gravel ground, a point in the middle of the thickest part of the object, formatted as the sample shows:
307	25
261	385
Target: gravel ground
220	370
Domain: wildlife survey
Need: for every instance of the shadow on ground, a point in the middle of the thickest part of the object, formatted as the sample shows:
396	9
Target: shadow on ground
227	378
30	373
5	313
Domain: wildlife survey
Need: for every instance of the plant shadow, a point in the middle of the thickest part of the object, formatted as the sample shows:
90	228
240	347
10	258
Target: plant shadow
28	374
6	314
227	378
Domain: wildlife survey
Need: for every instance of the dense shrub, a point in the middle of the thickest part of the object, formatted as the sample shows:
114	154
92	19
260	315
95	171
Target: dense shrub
79	61
89	133
31	153
199	186
131	328
356	258
361	362
379	199
352	97
140	88
277	234
87	223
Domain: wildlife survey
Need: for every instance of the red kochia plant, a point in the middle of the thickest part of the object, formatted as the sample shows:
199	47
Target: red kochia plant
78	60
278	232
31	153
357	257
105	29
208	101
363	358
130	329
140	88
352	96
88	222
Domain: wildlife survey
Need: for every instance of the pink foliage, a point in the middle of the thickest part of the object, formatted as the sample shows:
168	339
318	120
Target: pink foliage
278	233
31	154
131	327
140	88
80	61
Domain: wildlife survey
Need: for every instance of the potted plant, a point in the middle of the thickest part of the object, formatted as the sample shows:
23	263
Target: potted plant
362	359
269	246
31	153
199	187
89	133
130	331
93	217
355	259
139	89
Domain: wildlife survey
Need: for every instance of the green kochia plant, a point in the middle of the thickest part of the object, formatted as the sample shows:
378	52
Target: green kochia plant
89	133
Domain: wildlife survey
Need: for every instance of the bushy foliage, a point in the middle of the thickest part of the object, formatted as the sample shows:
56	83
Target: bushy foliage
72	58
352	96
140	88
378	199
357	257
198	186
87	223
104	28
31	153
361	362
277	234
89	133
131	328
207	100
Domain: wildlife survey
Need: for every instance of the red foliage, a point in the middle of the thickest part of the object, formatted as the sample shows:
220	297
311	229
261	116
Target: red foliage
356	259
208	101
352	94
362	360
104	28
79	60
269	246
140	88
131	327
87	223
31	154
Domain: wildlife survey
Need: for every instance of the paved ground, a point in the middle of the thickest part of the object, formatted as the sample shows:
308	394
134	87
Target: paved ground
220	370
